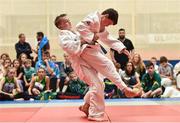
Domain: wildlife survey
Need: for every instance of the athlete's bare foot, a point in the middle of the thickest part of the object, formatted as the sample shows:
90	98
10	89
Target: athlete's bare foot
130	93
97	119
85	108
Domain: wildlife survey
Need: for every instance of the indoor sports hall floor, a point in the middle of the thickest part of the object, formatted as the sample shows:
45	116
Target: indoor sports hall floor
117	110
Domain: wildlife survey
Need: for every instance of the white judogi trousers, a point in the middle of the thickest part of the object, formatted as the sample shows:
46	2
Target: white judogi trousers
100	64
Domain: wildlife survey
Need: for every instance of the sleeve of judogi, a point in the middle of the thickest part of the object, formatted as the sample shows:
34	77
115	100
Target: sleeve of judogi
88	27
69	44
111	42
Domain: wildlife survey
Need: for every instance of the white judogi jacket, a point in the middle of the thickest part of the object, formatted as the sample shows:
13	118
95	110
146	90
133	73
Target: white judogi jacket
91	25
176	69
70	43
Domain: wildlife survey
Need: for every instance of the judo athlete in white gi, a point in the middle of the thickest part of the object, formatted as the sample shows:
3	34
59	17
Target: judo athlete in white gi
94	106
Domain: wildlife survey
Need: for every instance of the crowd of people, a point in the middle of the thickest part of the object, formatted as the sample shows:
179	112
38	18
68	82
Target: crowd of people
28	78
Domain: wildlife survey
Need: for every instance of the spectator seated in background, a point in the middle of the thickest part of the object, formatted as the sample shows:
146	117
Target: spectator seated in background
7	64
22	59
67	64
66	68
23	47
50	67
19	73
3	65
110	90
9	88
4	56
2	71
154	61
53	59
139	65
151	82
39	84
76	86
29	72
165	70
131	78
177	74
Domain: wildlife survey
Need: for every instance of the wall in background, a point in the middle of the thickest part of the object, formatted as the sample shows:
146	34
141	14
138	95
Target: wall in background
152	25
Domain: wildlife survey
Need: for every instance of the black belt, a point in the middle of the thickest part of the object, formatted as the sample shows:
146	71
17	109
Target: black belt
94	42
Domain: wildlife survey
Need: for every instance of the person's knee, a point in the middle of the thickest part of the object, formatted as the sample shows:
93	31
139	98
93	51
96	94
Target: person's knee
157	91
35	91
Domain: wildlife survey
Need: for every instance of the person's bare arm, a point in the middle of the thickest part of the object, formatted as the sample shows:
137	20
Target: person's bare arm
47	83
147	94
18	89
31	85
20	76
138	82
49	69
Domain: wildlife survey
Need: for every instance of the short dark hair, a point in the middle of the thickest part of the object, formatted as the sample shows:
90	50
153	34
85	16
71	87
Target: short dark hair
163	59
57	19
148	64
40	34
113	15
121	29
46	53
20	35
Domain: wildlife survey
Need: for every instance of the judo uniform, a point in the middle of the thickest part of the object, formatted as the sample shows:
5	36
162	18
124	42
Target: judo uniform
71	44
93	56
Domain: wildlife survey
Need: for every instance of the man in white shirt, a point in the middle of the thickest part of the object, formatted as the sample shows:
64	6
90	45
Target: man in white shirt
94	100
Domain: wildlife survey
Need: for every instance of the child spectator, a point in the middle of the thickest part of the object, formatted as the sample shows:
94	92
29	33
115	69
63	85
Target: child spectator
49	66
76	86
1	61
9	87
22	59
7	64
2	71
65	70
151	82
67	64
130	77
19	73
4	56
39	83
165	70
177	74
19	69
139	65
29	72
154	61
118	67
110	90
53	58
51	69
